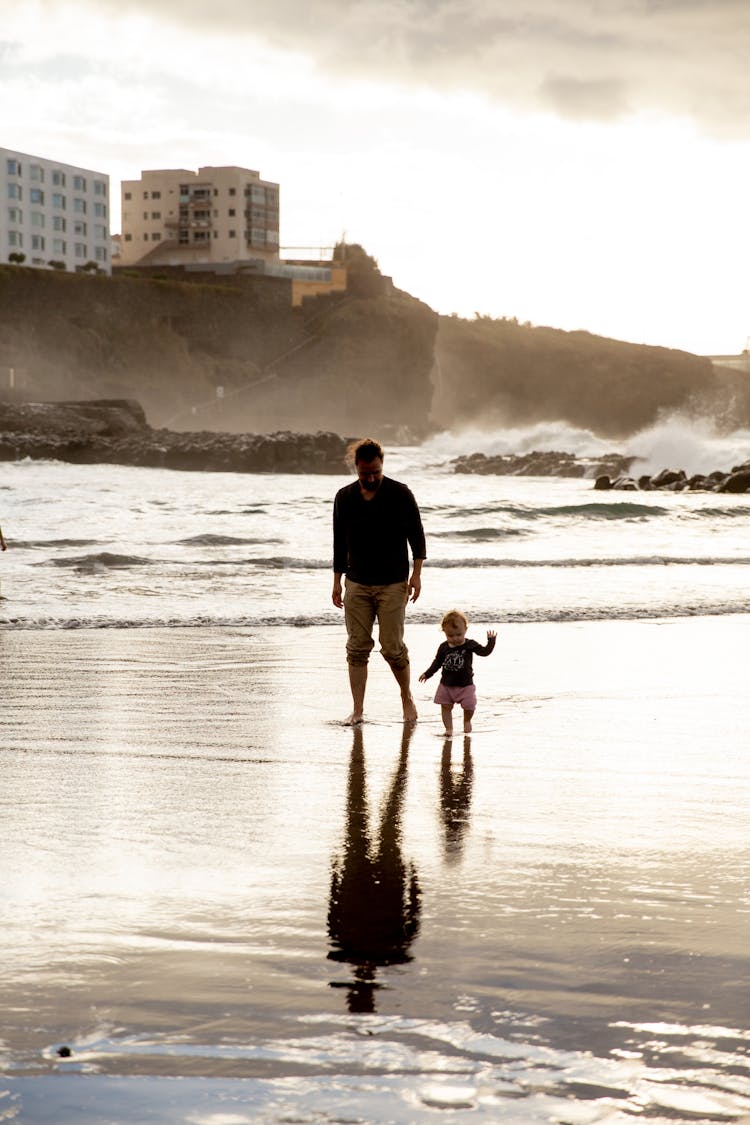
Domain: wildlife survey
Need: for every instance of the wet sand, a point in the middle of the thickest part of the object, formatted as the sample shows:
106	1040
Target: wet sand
207	877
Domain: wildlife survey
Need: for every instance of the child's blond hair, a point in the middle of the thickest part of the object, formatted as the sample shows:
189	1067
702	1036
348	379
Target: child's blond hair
454	617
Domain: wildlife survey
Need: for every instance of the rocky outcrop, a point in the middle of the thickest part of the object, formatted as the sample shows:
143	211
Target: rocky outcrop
116	432
676	480
611	471
542	464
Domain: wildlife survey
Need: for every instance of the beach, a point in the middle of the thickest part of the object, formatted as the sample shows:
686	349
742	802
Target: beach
196	850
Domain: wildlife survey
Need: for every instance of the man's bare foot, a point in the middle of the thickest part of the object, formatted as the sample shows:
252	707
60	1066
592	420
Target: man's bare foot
467	728
410	710
449	732
353	720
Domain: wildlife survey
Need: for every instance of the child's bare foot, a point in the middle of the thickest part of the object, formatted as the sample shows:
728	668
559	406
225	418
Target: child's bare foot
353	720
467	726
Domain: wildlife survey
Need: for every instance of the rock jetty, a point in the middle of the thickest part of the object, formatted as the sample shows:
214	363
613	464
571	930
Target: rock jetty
543	464
611	471
115	431
735	480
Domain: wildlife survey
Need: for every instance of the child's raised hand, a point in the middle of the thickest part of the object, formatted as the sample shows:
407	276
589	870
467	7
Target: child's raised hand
491	634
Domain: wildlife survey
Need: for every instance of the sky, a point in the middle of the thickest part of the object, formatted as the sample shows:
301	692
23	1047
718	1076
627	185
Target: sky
583	164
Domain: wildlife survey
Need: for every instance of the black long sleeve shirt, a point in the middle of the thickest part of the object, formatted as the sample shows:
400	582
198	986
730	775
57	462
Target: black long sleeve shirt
371	537
456	661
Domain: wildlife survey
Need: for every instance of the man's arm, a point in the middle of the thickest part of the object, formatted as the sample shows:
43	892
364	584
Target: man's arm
339	551
415	581
415	537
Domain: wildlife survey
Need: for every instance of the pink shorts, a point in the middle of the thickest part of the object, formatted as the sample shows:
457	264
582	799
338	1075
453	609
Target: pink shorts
466	696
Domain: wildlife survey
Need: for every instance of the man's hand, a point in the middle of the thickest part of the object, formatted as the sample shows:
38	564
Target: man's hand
336	596
415	587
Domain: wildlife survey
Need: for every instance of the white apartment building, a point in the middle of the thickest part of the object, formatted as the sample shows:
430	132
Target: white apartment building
178	217
53	212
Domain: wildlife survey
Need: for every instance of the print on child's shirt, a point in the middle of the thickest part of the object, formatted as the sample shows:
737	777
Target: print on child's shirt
454	661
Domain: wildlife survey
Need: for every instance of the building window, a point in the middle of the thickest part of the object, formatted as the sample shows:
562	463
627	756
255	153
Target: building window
59	246
232	191
127	195
100	253
79	205
100	232
14	191
128	238
100	187
145	214
58	178
14	167
156	195
232	212
15	215
100	210
79	227
145	238
37	219
37	173
145	195
36	195
59	223
201	235
79	250
156	236
58	200
15	238
156	214
233	234
79	183
37	242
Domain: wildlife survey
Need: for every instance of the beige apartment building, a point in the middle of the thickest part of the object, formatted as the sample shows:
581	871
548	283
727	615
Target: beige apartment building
177	217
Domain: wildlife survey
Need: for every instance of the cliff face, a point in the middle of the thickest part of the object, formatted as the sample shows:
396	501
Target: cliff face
515	375
231	354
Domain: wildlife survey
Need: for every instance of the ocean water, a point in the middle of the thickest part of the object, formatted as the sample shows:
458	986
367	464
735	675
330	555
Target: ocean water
129	547
233	910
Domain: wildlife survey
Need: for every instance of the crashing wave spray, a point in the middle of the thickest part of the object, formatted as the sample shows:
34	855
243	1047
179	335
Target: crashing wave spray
680	442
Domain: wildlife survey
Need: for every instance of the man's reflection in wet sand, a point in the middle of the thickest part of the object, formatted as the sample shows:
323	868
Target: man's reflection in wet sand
373	913
455	798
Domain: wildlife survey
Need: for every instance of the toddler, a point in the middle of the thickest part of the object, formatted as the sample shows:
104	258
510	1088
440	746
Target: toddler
455	656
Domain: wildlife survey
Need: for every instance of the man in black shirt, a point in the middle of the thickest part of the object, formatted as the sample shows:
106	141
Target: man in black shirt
375	521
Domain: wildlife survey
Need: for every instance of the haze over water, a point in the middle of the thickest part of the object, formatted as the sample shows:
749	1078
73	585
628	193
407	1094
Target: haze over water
233	909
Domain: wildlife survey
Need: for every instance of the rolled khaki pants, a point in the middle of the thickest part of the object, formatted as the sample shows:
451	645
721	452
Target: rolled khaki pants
362	605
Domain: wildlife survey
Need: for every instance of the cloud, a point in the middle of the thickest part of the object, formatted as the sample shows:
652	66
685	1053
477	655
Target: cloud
586	59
